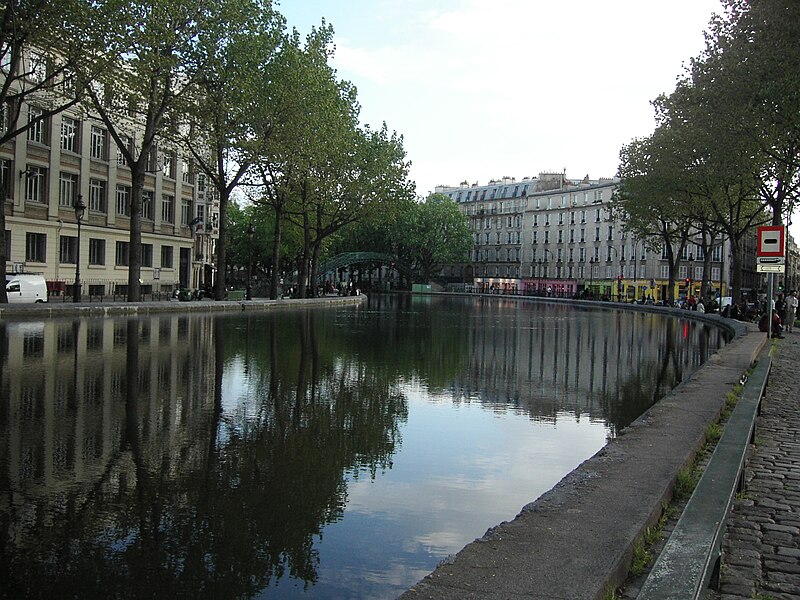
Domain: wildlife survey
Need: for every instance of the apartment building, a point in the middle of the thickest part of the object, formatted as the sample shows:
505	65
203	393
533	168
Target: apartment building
551	235
72	155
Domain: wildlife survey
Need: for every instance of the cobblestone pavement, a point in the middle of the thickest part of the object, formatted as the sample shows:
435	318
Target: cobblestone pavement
761	556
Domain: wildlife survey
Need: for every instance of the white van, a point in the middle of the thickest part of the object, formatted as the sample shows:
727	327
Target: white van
23	287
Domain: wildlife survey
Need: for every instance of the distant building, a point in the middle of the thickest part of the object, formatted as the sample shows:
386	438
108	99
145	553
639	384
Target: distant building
551	235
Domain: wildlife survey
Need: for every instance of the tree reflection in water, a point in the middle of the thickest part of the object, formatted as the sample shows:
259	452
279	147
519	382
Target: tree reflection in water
204	456
189	499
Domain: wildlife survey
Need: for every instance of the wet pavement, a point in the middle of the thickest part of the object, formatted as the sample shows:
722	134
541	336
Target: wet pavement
761	553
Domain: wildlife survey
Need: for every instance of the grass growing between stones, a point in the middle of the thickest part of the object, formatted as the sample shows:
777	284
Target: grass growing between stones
685	483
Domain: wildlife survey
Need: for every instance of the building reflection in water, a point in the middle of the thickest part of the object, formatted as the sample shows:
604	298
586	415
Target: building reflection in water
202	456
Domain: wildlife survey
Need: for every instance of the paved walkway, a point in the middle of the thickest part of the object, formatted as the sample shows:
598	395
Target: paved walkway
761	556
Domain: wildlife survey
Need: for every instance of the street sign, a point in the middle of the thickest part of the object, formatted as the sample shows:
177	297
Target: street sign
771	241
771	260
770	268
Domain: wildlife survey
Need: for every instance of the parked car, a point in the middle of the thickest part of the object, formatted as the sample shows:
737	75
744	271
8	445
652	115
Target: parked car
25	288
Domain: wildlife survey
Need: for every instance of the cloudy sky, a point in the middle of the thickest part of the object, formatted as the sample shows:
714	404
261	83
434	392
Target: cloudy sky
482	89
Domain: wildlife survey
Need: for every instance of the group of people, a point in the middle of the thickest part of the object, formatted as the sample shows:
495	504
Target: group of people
784	314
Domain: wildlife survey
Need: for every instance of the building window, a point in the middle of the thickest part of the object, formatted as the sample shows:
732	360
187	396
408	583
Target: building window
201	215
99	143
69	134
610	233
37	67
67	189
147	205
124	200
97	195
6	179
97	251
122	255
186	173
126	141
68	83
38	131
186	211
147	255
36	184
166	257
168	166
67	249
201	182
168	208
36	247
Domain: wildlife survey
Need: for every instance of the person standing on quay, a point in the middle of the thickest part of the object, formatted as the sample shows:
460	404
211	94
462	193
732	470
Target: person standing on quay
791	310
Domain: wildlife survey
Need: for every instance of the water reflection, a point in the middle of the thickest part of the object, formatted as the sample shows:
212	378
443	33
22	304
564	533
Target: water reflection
219	457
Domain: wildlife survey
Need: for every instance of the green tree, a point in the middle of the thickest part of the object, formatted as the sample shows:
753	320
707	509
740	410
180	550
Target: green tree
648	201
750	74
148	48
437	233
297	100
372	175
233	111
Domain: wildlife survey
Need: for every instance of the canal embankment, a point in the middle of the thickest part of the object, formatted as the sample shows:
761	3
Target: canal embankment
577	540
50	310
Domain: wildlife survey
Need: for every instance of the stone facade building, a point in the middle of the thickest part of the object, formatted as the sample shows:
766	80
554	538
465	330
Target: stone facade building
551	235
72	155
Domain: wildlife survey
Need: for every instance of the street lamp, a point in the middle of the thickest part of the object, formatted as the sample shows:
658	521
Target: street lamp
689	292
592	262
80	209
546	275
250	231
619	278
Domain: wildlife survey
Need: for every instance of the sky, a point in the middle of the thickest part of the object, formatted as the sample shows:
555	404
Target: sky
483	89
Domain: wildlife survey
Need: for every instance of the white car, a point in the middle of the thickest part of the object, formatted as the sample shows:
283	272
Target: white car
25	288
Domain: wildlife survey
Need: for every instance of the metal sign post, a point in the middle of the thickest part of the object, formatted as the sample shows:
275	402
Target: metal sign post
771	257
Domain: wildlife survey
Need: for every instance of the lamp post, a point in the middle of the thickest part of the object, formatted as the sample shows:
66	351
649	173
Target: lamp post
546	254
80	209
619	279
689	292
592	261
250	231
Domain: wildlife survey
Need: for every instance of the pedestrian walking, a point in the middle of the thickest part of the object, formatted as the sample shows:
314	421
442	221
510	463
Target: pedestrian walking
791	310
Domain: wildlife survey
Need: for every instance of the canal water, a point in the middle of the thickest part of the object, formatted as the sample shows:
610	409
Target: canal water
323	453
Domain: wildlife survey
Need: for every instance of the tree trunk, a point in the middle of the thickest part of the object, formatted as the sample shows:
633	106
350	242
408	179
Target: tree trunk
222	242
135	244
276	253
314	275
3	257
302	275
